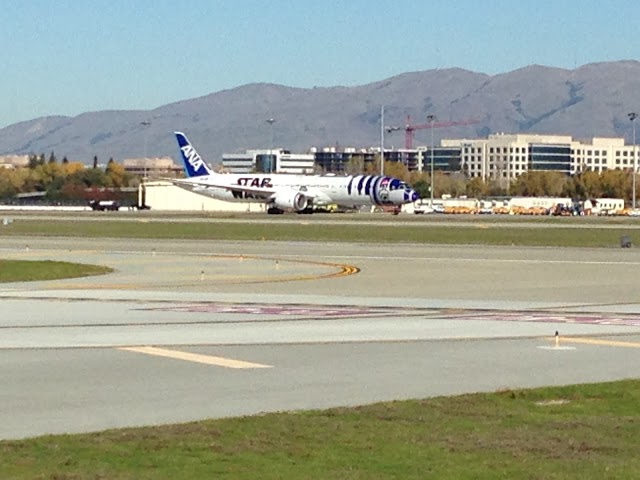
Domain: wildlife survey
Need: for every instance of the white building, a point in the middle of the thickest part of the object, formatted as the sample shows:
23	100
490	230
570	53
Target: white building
505	156
14	161
267	161
150	166
165	196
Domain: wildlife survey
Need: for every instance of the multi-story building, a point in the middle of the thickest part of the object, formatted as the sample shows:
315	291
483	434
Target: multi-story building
505	156
499	157
268	161
151	166
14	161
332	160
445	159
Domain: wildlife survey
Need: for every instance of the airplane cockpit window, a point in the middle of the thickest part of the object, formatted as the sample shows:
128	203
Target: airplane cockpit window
394	185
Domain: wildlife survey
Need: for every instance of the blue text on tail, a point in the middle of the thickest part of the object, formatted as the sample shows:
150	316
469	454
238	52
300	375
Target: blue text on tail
194	166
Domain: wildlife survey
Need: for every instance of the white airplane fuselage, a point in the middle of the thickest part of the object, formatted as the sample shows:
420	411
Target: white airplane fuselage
324	189
282	192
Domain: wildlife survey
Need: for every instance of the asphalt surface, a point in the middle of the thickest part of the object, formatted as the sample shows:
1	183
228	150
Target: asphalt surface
185	330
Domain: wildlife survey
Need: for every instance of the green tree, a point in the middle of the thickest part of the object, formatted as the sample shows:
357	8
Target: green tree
553	183
7	188
457	184
477	188
591	184
116	174
397	170
615	184
18	178
355	165
33	161
422	187
88	177
540	184
495	188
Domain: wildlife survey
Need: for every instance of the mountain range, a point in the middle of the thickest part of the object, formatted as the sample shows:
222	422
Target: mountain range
592	100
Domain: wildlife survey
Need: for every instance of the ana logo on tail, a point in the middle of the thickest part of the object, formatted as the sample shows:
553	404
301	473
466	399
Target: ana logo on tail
193	163
192	157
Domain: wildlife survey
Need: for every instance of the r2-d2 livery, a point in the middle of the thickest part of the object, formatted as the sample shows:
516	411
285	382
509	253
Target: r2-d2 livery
284	192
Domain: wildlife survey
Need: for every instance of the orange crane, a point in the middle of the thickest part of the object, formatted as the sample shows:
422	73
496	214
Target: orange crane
410	129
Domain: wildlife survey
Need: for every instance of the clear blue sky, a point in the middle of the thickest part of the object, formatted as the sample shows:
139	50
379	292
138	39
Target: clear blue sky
65	57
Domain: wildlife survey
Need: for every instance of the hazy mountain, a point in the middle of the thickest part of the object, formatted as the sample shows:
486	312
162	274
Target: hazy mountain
592	100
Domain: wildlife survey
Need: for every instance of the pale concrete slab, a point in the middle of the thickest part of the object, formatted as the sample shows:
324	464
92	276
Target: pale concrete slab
415	321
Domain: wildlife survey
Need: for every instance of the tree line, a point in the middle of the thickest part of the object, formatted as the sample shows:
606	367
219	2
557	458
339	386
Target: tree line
64	180
581	186
73	181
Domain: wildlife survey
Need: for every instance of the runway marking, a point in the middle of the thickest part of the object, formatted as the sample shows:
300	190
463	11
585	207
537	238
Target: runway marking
270	309
215	278
531	261
194	357
597	341
558	348
299	257
550	317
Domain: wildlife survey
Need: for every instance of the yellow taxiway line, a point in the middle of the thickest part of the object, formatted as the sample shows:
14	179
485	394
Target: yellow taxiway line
597	341
194	357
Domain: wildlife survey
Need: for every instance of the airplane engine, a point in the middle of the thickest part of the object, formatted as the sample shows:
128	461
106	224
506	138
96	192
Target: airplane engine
290	200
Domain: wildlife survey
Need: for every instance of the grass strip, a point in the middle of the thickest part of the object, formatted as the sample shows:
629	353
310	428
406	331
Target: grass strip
485	234
27	270
584	431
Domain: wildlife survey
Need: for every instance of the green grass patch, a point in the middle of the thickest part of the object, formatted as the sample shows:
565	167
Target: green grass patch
530	434
27	271
486	233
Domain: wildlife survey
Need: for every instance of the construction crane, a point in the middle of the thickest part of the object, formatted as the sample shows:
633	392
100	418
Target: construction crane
410	129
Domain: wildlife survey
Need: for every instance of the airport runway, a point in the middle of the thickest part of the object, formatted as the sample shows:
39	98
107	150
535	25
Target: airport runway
185	330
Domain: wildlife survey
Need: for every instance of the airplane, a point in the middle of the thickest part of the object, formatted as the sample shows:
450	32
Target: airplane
286	192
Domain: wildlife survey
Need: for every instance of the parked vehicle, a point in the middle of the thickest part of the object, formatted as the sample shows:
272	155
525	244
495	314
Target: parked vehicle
103	205
422	208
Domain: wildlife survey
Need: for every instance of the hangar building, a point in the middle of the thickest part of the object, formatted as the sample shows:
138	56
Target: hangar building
165	196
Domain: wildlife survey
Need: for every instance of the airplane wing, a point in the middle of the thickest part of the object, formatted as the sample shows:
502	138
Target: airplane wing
265	192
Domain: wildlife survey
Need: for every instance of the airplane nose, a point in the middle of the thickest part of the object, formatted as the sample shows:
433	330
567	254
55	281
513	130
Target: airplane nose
414	196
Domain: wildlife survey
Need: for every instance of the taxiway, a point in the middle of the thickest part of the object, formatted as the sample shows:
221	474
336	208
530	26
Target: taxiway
185	330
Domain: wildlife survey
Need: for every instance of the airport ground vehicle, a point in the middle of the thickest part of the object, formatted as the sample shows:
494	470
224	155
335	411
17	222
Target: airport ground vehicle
104	205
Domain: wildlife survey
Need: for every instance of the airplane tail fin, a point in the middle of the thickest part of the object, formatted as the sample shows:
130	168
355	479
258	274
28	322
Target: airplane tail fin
194	166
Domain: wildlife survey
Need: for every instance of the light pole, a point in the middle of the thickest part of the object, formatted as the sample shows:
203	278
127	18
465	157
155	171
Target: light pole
431	119
382	140
145	124
632	117
271	121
